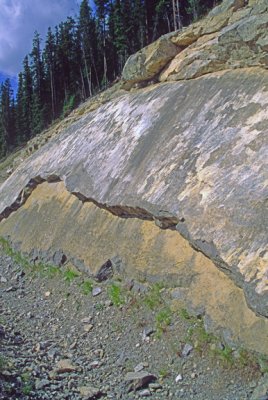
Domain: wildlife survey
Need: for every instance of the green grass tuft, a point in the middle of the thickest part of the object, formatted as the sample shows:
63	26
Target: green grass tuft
163	320
153	298
69	275
27	388
87	287
115	294
263	363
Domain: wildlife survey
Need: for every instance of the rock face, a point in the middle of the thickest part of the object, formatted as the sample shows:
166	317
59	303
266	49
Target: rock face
149	61
233	35
180	163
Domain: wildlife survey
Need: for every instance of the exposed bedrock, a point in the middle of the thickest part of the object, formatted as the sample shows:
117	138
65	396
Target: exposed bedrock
195	151
54	222
181	159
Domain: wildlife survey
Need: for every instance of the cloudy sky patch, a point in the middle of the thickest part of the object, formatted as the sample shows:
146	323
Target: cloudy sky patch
18	21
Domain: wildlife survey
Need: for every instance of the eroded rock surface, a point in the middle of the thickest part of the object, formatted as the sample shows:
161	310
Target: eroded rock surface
196	150
188	155
53	219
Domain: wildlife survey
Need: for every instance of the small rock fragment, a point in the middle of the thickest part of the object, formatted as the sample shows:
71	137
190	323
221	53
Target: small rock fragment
88	327
186	350
86	320
145	393
155	386
65	365
139	379
94	364
139	367
11	289
40	384
178	378
89	392
96	291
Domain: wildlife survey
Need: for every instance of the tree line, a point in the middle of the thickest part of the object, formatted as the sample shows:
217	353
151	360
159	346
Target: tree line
82	56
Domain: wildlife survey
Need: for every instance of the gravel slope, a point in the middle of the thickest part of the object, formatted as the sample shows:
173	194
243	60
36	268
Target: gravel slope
61	339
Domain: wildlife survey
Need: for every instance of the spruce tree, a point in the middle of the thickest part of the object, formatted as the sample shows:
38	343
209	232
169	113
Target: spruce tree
27	98
49	57
7	117
88	40
38	90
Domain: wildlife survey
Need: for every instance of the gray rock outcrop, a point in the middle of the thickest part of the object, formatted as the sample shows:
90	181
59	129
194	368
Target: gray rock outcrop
189	154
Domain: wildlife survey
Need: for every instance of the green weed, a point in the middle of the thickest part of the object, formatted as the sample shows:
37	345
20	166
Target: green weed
163	373
69	275
225	355
27	388
45	270
99	306
263	363
87	287
183	313
48	270
163	320
15	255
153	299
115	294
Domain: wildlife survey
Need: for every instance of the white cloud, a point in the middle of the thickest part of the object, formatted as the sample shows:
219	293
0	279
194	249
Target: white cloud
18	21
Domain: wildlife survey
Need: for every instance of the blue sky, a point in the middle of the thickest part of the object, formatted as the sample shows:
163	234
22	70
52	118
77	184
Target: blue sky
18	21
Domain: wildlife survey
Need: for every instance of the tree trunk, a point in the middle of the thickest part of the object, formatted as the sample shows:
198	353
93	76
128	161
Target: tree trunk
174	15
83	85
52	93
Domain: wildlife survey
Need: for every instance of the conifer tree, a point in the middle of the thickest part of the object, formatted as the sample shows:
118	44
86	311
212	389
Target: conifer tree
7	117
49	57
38	87
101	12
19	119
27	98
88	40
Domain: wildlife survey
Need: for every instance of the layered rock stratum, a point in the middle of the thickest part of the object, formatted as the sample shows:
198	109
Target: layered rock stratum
170	178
